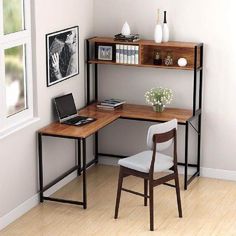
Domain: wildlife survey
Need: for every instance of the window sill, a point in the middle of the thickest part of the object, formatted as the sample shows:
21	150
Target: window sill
10	130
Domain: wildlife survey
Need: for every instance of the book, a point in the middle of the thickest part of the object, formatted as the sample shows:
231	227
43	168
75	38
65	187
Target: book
99	106
129	54
128	38
112	102
125	54
136	57
121	53
117	53
132	54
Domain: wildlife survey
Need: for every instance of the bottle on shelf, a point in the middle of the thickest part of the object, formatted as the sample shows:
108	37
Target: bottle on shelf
165	32
158	29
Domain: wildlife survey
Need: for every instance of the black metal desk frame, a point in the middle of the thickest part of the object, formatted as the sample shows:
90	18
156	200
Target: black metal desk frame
196	110
80	152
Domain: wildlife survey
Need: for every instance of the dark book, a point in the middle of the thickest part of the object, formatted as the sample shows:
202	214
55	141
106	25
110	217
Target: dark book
129	38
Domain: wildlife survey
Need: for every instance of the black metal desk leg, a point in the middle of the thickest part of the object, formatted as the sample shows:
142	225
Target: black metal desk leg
84	174
199	145
40	167
96	147
186	158
79	156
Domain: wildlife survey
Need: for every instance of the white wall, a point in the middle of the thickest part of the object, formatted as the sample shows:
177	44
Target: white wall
211	22
18	157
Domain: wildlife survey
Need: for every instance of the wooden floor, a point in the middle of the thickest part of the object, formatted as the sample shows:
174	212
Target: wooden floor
209	208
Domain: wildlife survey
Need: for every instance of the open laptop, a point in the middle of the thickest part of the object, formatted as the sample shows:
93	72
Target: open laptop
67	113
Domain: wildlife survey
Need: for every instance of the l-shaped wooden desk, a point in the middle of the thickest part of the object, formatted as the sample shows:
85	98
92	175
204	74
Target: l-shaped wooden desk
103	118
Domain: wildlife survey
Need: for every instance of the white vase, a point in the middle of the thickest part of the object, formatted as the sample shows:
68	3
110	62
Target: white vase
165	32
158	30
125	29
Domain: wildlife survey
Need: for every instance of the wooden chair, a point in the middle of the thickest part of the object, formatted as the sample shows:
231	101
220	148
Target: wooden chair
146	163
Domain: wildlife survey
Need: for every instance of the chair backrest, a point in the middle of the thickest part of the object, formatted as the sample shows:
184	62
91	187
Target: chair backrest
158	129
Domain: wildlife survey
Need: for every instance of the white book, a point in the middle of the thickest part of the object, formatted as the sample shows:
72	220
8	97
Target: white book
132	54
136	57
117	53
129	54
125	54
121	53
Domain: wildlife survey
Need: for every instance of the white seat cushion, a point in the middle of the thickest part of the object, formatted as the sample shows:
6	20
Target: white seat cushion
142	161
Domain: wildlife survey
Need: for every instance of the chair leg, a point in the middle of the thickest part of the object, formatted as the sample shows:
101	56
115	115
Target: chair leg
178	193
120	181
145	191
151	206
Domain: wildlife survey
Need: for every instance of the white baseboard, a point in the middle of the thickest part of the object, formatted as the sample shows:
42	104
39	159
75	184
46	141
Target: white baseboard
32	202
204	172
218	174
19	211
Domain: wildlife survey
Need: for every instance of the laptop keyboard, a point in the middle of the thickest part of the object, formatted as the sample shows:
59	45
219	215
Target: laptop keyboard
79	120
75	120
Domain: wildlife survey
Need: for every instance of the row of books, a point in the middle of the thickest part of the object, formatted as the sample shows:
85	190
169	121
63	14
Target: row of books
127	54
110	104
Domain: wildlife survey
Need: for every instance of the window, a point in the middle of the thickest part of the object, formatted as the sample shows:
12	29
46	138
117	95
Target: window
16	95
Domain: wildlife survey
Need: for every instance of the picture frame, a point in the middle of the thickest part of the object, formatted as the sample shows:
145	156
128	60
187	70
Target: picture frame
105	52
62	55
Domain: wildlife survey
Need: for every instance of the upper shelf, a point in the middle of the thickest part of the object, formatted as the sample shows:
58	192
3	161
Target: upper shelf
147	48
174	44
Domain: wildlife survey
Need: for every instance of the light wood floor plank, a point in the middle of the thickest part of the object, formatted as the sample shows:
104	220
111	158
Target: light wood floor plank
209	209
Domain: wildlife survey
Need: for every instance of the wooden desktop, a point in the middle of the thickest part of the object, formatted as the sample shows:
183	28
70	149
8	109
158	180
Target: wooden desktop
80	133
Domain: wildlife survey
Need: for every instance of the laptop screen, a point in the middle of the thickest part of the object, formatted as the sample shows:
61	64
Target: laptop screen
65	106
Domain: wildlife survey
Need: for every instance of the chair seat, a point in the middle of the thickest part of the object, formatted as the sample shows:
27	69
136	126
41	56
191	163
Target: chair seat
142	161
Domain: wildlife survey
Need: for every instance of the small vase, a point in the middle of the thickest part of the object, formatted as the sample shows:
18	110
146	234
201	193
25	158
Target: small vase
125	29
158	30
158	108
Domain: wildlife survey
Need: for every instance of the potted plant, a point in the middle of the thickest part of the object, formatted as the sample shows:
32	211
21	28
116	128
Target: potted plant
158	98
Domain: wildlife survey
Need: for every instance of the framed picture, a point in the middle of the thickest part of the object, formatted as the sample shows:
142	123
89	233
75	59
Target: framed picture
62	50
105	53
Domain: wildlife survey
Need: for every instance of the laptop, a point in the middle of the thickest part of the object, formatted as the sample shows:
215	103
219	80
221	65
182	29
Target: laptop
67	113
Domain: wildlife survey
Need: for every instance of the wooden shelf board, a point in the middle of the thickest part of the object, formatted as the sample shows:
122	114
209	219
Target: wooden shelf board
139	65
175	44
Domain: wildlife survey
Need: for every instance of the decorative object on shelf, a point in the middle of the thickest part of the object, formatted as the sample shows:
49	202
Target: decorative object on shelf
125	29
127	38
158	29
105	53
165	32
62	50
168	59
157	60
182	62
159	97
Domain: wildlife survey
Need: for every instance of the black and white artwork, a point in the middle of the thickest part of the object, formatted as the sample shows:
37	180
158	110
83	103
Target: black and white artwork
105	53
62	55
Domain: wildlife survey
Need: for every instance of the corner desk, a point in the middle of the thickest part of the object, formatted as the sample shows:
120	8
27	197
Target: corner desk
103	118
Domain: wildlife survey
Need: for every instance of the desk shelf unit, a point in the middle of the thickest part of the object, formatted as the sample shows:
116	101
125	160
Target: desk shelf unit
193	52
